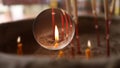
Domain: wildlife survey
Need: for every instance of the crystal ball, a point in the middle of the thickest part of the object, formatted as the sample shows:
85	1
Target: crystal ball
53	29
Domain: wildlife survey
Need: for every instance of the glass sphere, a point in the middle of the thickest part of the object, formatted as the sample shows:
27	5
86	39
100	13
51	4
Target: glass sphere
53	29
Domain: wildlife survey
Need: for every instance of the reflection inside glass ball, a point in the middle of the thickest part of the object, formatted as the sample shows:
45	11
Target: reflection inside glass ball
53	29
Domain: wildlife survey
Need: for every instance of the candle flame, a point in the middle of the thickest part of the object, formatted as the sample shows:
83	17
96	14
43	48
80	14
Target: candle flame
18	40
89	43
56	33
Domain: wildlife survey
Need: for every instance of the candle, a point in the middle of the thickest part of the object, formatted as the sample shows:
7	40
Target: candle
88	51
93	3
60	54
56	36
19	47
107	28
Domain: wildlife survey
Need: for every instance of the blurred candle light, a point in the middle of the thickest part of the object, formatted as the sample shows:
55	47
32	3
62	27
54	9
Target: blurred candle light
60	53
88	50
19	46
56	36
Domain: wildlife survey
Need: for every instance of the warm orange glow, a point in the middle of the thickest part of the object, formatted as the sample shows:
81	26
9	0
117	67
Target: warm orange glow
56	34
19	49
18	40
88	50
89	43
60	54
